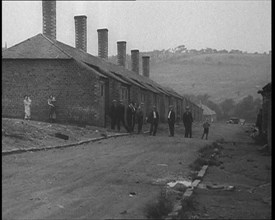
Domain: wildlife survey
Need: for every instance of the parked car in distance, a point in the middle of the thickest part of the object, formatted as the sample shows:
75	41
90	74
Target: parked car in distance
233	120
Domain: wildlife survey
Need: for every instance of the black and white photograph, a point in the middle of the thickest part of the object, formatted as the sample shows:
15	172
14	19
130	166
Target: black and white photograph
136	109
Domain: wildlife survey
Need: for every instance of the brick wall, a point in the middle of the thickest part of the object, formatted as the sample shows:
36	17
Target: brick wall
135	94
75	88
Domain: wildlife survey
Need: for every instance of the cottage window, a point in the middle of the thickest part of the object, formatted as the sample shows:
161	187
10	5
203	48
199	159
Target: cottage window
123	93
142	97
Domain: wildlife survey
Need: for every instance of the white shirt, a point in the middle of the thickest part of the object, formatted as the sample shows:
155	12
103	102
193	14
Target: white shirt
155	115
169	114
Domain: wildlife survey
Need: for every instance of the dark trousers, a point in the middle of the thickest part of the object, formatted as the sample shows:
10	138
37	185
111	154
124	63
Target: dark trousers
133	126
113	123
171	128
140	123
121	119
205	132
188	131
133	123
52	113
129	124
118	124
153	128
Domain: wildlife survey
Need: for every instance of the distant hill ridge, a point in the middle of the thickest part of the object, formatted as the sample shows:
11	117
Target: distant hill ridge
220	74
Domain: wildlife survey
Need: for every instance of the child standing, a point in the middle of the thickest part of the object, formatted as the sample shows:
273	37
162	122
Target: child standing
205	126
27	105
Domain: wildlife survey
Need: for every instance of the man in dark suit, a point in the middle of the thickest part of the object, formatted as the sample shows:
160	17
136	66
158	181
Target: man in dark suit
121	114
134	118
153	119
130	116
171	120
187	121
113	114
139	117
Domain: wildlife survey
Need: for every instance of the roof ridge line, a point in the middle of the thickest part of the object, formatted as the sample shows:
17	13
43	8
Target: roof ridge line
57	46
21	42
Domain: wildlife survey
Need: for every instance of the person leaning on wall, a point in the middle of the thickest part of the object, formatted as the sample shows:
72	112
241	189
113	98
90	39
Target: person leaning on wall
52	108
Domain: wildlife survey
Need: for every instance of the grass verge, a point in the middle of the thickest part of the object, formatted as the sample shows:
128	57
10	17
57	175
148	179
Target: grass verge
160	208
208	155
188	207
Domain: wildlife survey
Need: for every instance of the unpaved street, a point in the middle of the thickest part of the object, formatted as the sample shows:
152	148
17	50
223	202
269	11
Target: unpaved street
249	171
94	181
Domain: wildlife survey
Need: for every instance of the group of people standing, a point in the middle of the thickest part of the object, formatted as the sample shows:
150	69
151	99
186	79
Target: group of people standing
51	103
134	114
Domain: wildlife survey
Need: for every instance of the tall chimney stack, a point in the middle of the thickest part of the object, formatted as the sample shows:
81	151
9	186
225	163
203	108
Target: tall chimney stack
146	66
103	43
121	53
135	61
81	32
49	18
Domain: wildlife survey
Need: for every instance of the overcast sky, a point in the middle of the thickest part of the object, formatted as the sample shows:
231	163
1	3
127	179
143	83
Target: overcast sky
149	25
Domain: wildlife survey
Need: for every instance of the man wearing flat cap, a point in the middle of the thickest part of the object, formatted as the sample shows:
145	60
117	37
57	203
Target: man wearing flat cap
130	116
171	120
153	119
187	122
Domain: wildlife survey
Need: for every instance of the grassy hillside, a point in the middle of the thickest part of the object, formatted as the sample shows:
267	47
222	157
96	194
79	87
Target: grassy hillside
219	75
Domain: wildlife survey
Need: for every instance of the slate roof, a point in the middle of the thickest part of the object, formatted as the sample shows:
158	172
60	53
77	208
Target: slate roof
42	47
37	47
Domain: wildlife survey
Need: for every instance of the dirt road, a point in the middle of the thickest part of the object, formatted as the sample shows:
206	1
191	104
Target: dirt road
249	172
94	181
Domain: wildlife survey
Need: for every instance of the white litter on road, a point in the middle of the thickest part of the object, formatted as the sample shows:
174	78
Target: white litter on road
184	182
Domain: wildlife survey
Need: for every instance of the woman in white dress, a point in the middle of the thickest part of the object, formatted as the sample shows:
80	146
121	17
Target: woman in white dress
27	105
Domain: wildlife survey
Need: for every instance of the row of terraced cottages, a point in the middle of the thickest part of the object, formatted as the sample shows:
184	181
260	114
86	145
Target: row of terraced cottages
84	85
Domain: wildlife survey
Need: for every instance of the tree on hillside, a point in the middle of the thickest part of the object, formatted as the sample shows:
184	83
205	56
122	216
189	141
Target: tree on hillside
247	108
215	107
181	49
227	107
191	97
208	50
223	51
257	103
193	51
203	98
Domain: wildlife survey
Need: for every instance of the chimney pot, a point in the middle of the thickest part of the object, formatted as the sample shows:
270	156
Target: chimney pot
49	18
81	32
121	53
135	61
103	43
146	66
